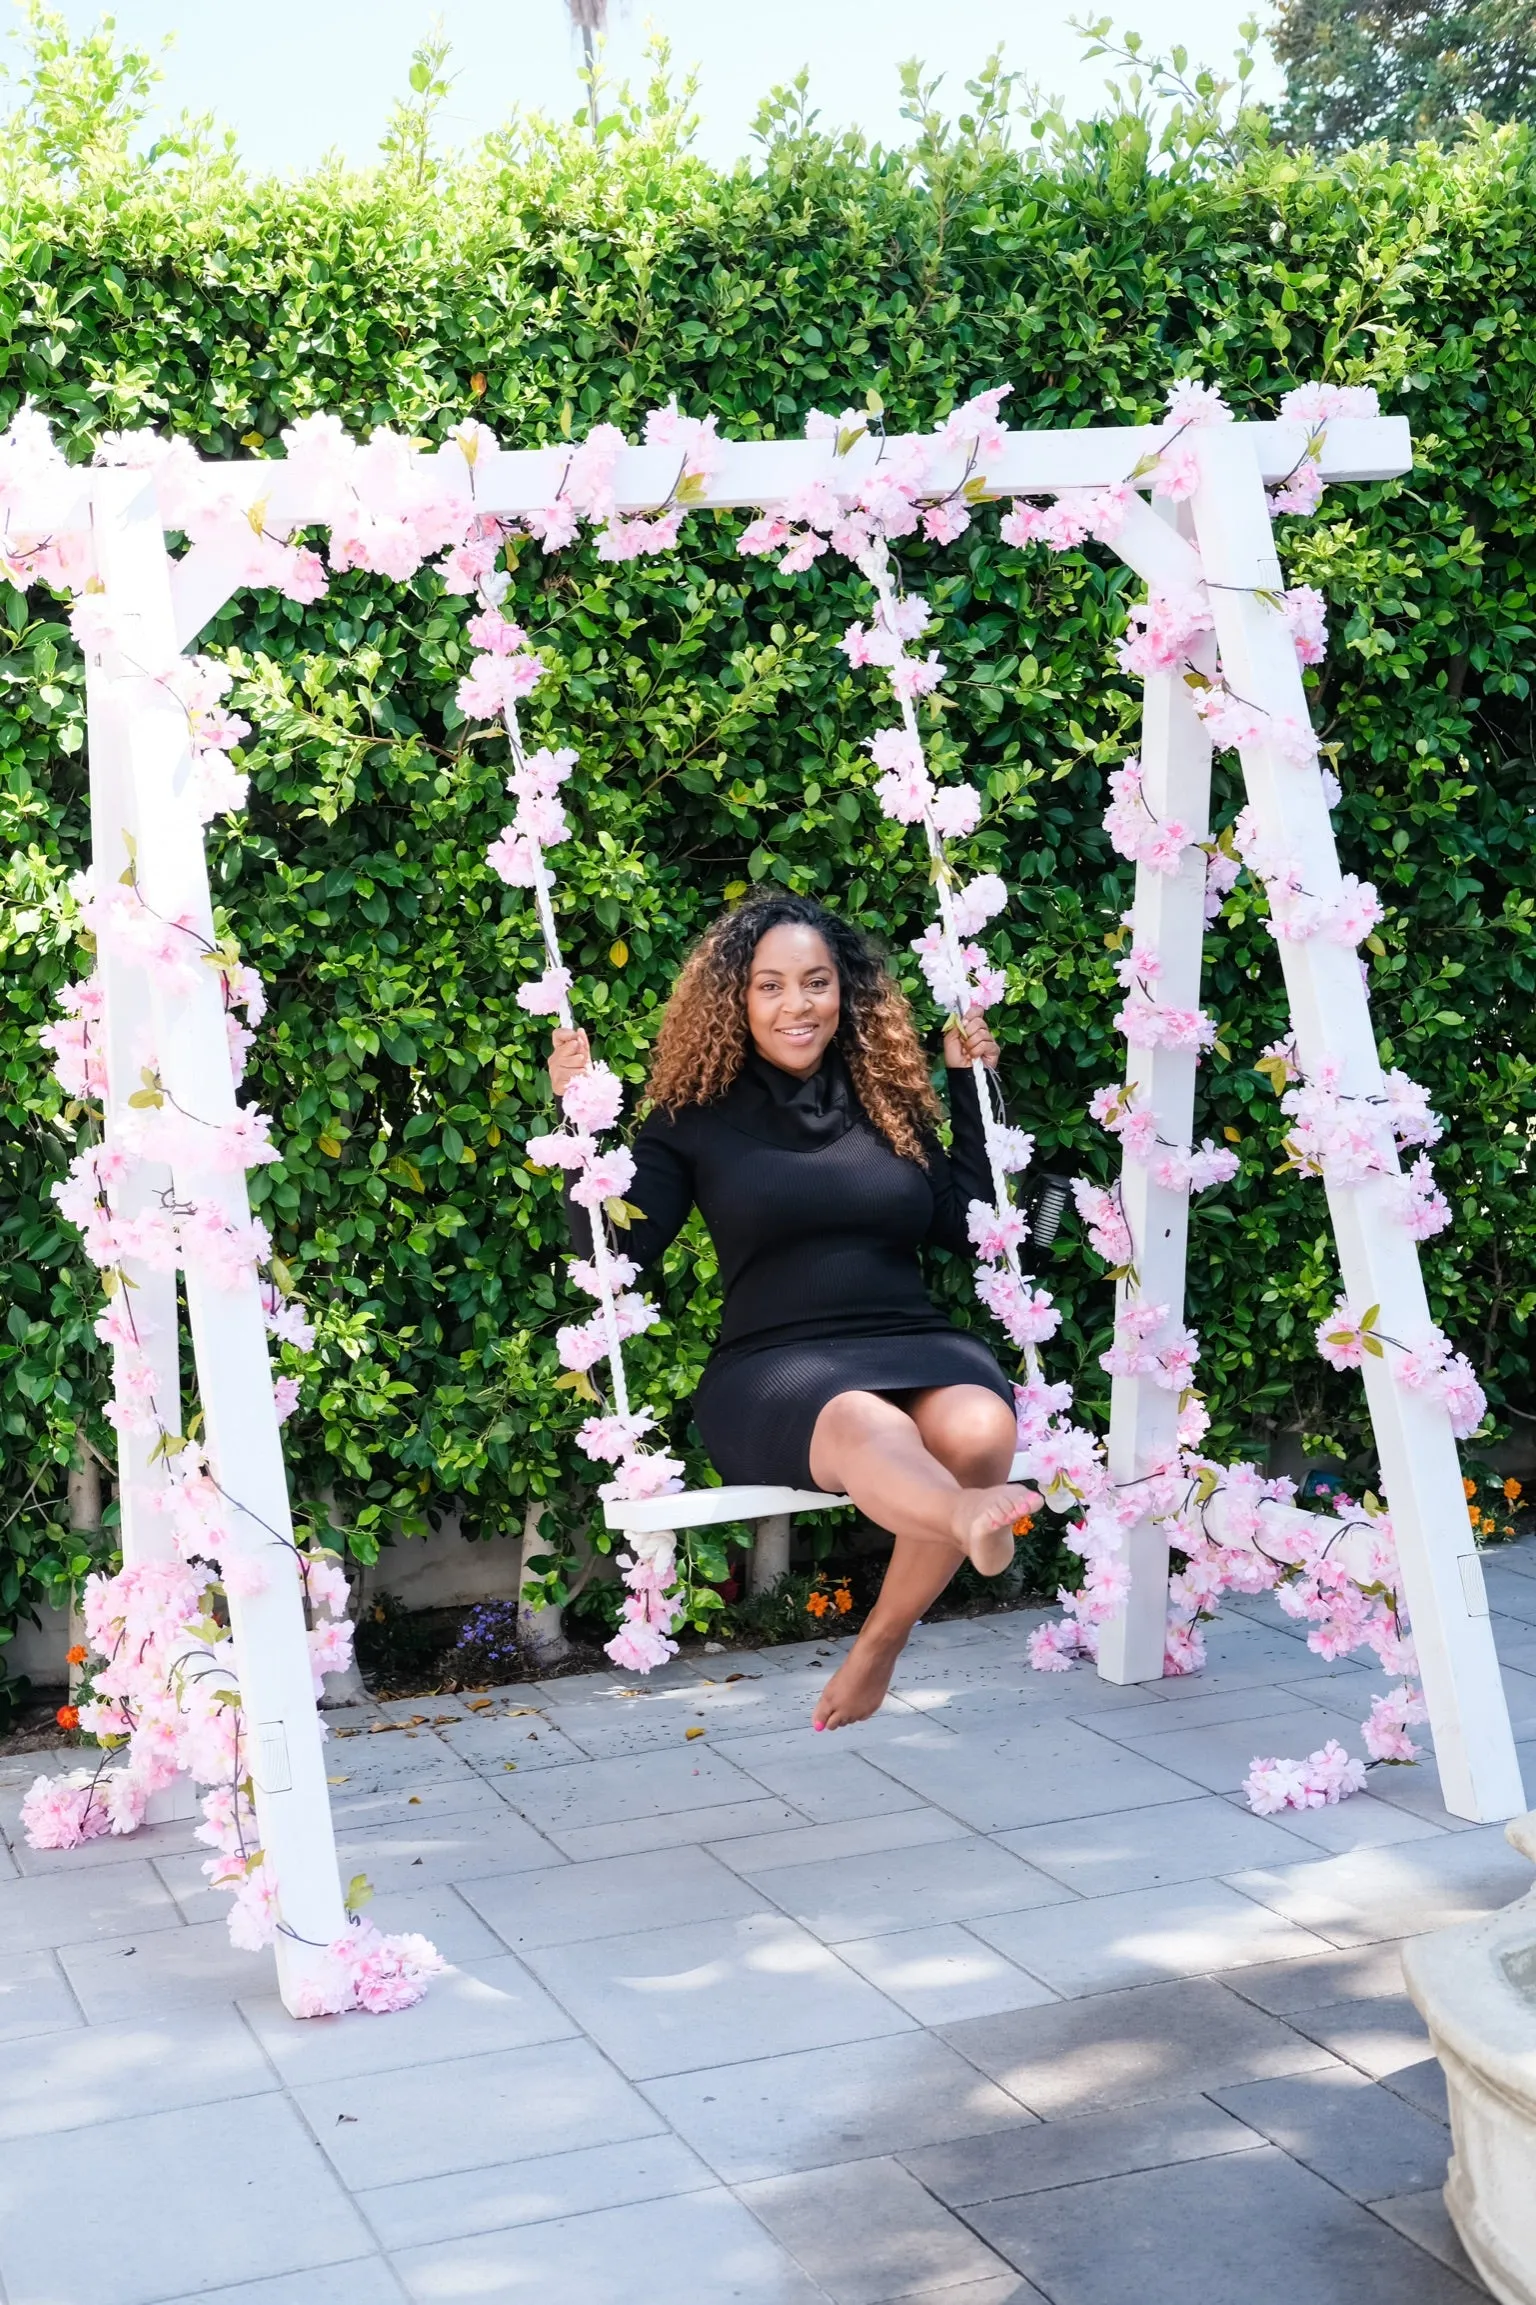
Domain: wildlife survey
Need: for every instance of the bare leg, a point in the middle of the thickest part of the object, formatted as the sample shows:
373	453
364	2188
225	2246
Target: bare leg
895	1467
964	1442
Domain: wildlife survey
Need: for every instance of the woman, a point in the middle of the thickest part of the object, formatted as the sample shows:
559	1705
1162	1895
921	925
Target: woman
792	1104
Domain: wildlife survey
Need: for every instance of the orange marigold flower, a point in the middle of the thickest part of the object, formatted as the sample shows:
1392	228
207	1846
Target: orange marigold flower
817	1605
1513	1489
77	1655
1468	1488
1023	1524
844	1600
68	1716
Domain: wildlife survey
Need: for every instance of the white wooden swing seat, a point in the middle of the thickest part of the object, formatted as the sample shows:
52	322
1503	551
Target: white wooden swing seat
771	1512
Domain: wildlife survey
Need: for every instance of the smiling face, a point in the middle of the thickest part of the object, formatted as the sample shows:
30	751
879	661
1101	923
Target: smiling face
792	998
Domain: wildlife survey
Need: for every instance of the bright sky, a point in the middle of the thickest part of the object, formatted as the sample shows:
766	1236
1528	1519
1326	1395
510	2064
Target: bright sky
294	77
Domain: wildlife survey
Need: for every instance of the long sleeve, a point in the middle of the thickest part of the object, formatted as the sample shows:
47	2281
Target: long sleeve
961	1175
663	1190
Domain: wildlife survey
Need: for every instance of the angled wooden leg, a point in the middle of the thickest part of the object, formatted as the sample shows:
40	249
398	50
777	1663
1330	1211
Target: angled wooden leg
233	1370
1378	1261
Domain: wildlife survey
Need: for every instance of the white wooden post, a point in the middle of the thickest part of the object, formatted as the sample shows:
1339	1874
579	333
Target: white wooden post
1442	1575
234	1376
1169	915
770	1552
126	1031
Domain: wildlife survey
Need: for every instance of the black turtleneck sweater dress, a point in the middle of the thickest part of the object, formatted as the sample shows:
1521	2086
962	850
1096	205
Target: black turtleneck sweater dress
818	1226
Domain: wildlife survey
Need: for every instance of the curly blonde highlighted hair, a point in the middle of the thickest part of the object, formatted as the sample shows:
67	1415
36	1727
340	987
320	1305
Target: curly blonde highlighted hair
703	1041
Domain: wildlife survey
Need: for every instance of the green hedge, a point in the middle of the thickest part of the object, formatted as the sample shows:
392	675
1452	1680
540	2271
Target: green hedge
720	730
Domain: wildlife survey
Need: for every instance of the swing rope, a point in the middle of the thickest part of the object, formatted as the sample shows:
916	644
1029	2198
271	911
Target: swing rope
877	566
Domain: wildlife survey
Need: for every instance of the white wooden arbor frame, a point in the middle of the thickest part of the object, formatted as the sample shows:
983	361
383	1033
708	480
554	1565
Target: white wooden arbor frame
140	788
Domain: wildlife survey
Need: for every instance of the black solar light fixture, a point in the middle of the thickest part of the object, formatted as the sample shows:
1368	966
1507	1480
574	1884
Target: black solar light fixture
1049	1200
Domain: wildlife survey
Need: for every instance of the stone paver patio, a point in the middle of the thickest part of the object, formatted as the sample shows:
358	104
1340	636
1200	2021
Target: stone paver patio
1002	1995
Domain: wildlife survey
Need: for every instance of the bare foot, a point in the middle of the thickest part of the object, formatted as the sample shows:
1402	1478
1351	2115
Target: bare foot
858	1687
983	1523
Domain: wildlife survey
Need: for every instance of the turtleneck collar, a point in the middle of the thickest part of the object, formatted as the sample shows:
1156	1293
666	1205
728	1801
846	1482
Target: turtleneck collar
794	1112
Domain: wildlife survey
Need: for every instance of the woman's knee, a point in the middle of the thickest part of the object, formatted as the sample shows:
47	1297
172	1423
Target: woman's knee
853	1421
969	1430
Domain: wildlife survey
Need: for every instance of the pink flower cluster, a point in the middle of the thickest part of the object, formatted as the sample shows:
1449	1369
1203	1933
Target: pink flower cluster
539	822
1392	1715
1417	1202
1164	628
1322	1780
1174	1170
196	1233
1171	470
1431	1368
1234	724
1252	1554
1109	1235
503	672
1348	1139
1148	1024
1069	519
1316	405
1347	1335
693	439
372	1972
198	683
38	542
1134	832
168	950
1148	1344
1347	919
165	1691
1306	612
1025	1312
387	509
193	501
855	507
76	1045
